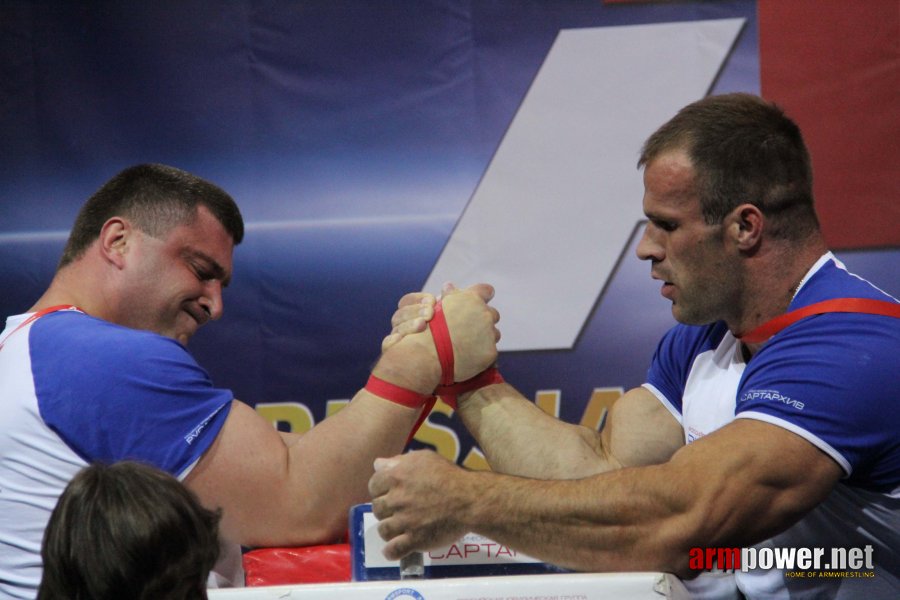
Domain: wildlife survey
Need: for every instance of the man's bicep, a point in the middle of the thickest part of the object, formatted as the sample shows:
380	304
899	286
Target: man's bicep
243	472
756	479
640	430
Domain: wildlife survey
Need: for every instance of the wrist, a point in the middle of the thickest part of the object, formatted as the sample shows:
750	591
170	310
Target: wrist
450	394
409	365
469	490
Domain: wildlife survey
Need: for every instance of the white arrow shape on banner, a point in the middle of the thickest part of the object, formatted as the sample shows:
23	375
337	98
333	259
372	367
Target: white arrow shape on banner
562	194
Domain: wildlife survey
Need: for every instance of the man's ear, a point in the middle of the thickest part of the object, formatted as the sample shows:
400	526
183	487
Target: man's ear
745	226
115	237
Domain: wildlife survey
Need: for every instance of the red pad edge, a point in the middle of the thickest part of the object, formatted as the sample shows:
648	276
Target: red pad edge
304	564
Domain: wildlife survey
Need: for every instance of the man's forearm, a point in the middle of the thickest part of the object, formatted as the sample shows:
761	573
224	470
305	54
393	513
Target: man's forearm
519	438
626	520
331	464
649	517
336	456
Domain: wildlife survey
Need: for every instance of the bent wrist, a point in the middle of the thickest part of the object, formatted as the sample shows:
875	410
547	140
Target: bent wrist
410	365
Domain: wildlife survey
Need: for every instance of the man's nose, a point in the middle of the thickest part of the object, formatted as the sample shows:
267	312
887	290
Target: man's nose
212	299
648	247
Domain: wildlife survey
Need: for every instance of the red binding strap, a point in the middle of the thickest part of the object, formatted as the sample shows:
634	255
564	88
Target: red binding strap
836	305
449	393
395	393
404	397
448	390
426	410
440	333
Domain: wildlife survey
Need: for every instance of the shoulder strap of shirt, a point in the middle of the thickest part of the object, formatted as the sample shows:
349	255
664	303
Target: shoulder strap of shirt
841	305
35	316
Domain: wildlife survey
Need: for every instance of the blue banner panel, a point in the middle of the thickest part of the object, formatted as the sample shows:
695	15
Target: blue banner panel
353	134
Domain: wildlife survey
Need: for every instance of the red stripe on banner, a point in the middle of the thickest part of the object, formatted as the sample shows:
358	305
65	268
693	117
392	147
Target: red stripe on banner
834	66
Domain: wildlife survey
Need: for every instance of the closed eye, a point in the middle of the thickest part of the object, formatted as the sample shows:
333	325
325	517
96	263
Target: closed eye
205	268
665	225
203	274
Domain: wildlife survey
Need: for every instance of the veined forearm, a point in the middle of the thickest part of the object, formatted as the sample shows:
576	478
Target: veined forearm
719	491
613	522
519	438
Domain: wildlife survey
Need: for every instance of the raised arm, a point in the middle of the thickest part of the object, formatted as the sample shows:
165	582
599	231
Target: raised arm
520	439
296	490
736	486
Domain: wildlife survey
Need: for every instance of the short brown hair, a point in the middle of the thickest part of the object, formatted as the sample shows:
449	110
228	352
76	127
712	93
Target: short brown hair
743	150
156	198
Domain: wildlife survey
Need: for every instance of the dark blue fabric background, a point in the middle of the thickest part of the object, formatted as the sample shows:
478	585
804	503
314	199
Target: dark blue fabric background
352	134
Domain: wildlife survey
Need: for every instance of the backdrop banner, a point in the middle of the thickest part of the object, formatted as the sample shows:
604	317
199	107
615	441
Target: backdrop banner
380	147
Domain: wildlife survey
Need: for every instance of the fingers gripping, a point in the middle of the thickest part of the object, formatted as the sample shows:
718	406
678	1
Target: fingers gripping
415	310
471	327
411	499
410	312
412	316
384	489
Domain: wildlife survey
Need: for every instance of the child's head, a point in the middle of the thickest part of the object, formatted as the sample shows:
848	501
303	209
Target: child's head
128	530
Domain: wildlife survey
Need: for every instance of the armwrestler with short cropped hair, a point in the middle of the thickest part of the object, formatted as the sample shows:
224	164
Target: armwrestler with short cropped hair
98	370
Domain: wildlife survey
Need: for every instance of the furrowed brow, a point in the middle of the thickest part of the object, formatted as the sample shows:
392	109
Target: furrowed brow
217	270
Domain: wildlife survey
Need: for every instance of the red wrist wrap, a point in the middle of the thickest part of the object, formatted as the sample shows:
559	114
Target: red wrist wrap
448	393
404	397
395	393
448	390
440	333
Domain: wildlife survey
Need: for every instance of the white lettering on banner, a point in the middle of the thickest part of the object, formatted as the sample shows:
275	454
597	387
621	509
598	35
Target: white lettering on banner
566	167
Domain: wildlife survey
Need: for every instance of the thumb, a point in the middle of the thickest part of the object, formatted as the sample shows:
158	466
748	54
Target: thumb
384	464
448	288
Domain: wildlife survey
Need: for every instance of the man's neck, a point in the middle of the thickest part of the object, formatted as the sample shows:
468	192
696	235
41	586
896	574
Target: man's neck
72	285
774	281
